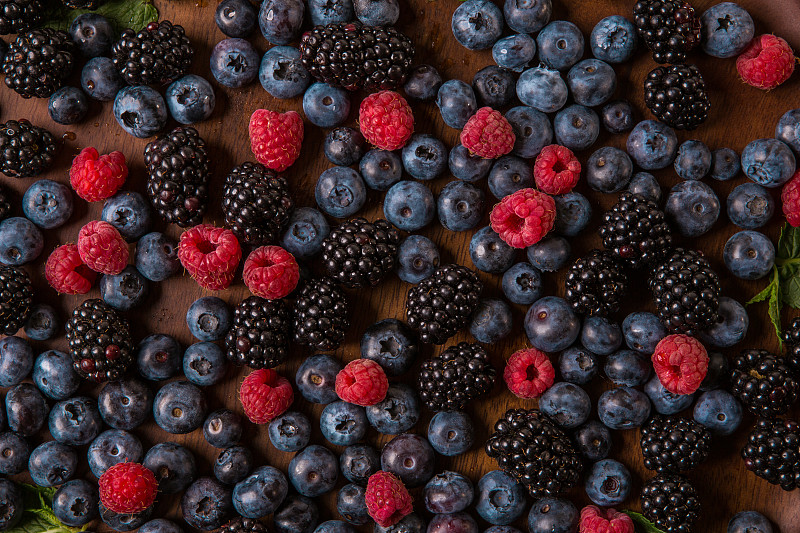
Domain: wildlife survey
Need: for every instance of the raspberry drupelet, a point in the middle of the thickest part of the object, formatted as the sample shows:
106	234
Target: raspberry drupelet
362	382
210	255
128	488
95	177
524	217
271	272
66	273
681	363
102	248
276	138
556	169
488	134
386	120
529	373
767	62
388	500
265	394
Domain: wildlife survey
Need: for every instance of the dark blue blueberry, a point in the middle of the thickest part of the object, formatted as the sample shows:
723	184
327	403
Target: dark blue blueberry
412	523
223	428
16	451
501	500
343	423
410	457
643	331
399	411
623	408
204	364
16	360
551	325
768	162
477	24
573	212
68	105
125	290
628	367
158	357
618	116
208	318
532	129
491	321
129	212
52	463
578	365
448	492
260	493
377	12
515	51
591	82
179	407
76	502
456	102
235	18
731	326
234	62
460	206
125	521
424	157
652	145
609	170
173	465
727	29
543	89
190	99
423	83
340	192
550	253
453	523
510	174
576	127
608	483
750	206
42	322
351	504
502	529
560	44
160	525
314	471
692	207
334	526
282	74
522	284
306	230
749	255
392	344
613	39
719	411
233	464
92	34
290	432
125	404
788	130
111	447
593	440
20	241
297	514
601	336
75	421
666	402
206	504
316	379
280	20
451	433
693	161
26	410
749	521
409	205
47	204
725	164
324	12
157	257
566	404
54	375
647	185
553	515
489	253
359	462
100	79
494	86
11	496
417	258
529	16
344	146
381	169
140	110
326	106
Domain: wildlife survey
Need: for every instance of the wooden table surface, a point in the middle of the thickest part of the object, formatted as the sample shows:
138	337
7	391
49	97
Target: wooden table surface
738	115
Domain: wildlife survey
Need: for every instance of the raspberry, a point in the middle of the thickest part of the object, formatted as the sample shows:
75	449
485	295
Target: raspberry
488	134
210	254
271	272
66	273
523	218
790	198
529	373
362	382
97	177
265	394
276	138
102	248
128	488
388	500
595	520
556	169
681	363
386	120
767	62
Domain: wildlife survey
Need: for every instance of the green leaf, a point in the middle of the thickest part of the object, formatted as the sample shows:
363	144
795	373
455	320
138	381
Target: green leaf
33	523
761	296
642	524
123	14
789	243
774	305
38	516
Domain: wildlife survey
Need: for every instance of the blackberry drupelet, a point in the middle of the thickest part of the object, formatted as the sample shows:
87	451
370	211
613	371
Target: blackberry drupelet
441	304
83	4
16	297
259	337
355	56
674	445
159	54
772	452
244	525
670	502
763	383
595	284
320	314
635	230
676	95
99	341
360	253
27	150
669	28
528	446
686	292
791	338
38	62
177	182
17	16
5	205
455	377
256	203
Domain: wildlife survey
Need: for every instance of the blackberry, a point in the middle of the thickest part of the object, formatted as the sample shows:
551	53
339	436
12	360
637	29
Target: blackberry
670	502
360	253
177	182
763	383
674	445
772	452
686	292
455	377
159	54
351	55
441	304
99	341
27	150
676	95
259	337
595	284
529	446
38	62
256	203
17	16
320	314
16	297
244	525
83	4
635	230
791	338
5	205
669	28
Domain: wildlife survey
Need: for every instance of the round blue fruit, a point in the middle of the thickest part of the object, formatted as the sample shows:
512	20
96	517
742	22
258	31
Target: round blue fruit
591	82
749	255
551	325
16	360
52	463
223	428
788	129
719	411
593	440
693	161
550	253
417	258
190	99
76	502
491	321
560	44
351	504
613	39
566	404
573	212
54	375
381	169
340	192
501	500
234	62
344	146
768	162
359	462
578	365
731	326
260	493
111	447
628	367
305	232
282	73
608	483
100	79
209	318
129	212
477	24
377	12
532	130
543	89
448	492
206	504
652	145
140	110
47	203
159	357
692	207
451	433
576	127
601	336
179	407
749	522
125	290
623	408
173	465
233	464
204	364
316	378
343	423
514	52
489	253
647	185
725	164
280	21
494	86
508	175
522	284
70	428
726	30
527	17
399	411
410	458
750	206
423	83
609	170
236	18
157	257
326	106
391	344
456	102
68	105
92	34
125	404
409	205
297	514
20	241
666	402
553	515
460	206
324	12
643	331
314	471
424	157
26	410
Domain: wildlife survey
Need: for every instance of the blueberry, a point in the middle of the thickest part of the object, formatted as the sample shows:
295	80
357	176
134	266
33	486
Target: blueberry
340	192
591	82
718	372
304	233
326	106
160	525
692	207
125	290
158	357
54	375
129	212
643	331
209	318
398	412
609	170
12	497
510	174
173	465
501	500
593	440
618	116
290	432
725	164
750	206
727	29
417	258
731	326
502	529
553	515
601	336
719	411
351	504
140	110
100	79
52	463
522	284
125	404
549	254
453	523
623	408
451	433
460	206
233	464
68	105
410	457
768	162
456	100
204	364
111	447
334	526
391	344
628	367
560	44
223	428
377	12
26	410
566	404
20	241
527	17
190	99
448	492
515	51
749	255
423	83
16	360
75	421
494	86
234	62
576	127
125	521
206	504
424	157
14	458
788	130
92	34
179	407
343	423
532	129
477	24
551	325
693	161
280	20
381	169
573	212
157	257
491	321
314	471
652	145
260	493
749	521
235	18
75	503
324	12
613	39
489	253
47	204
543	89
666	402
297	514
608	483
409	205
344	146
412	523
647	185
359	462
282	73
578	365
316	378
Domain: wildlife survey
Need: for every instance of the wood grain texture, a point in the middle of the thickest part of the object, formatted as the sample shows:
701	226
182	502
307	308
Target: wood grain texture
739	114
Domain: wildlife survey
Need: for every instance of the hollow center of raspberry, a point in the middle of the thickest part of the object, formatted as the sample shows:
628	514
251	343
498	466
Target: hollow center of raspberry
514	222
206	247
531	373
559	166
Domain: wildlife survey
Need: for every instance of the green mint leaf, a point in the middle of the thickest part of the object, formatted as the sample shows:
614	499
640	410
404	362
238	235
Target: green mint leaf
788	243
33	523
38	516
123	14
761	296
790	291
36	497
774	305
642	524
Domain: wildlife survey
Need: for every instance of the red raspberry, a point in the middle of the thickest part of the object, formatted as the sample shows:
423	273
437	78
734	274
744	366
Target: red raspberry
102	248
523	218
767	62
128	488
362	382
595	520
276	138
681	363
210	254
97	177
271	272
790	198
556	169
488	134
388	500
529	373
66	273
265	394
386	120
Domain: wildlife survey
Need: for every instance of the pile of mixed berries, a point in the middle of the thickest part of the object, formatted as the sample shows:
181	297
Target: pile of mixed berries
520	127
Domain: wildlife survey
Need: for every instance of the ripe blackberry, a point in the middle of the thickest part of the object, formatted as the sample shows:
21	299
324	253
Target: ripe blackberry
763	383
16	296
676	95
177	182
772	452
99	341
17	16
670	502
351	55
669	28
83	4
674	445
259	337
686	292
320	314
455	377
528	446
38	62
256	203
635	231
27	150
441	304
243	525
595	284
360	253
791	338
159	54
5	205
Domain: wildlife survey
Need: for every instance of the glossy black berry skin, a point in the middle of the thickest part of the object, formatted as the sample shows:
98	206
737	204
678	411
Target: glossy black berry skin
320	314
763	383
455	377
791	337
359	253
595	284
16	298
676	95
259	337
671	503
674	445
38	61
669	28
635	231
27	150
99	341
772	452
17	16
158	54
